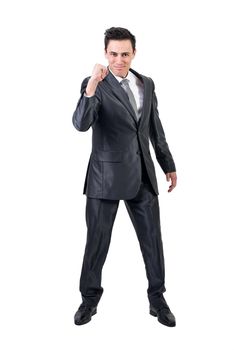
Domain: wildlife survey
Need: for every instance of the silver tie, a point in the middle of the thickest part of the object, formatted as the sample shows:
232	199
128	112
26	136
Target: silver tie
125	84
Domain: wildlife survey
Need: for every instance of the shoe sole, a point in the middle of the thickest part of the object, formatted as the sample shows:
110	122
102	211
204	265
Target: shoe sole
87	320
164	323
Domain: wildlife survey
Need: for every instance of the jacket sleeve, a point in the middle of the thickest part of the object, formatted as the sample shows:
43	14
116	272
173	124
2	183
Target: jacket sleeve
86	112
158	139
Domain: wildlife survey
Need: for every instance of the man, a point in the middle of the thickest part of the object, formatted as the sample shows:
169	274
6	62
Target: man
121	106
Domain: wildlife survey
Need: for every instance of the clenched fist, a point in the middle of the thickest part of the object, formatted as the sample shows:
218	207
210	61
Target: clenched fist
98	74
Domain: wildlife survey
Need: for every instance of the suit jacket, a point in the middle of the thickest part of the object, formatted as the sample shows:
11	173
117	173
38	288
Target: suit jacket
119	141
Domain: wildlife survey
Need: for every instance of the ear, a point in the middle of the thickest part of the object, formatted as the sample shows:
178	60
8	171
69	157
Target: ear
134	53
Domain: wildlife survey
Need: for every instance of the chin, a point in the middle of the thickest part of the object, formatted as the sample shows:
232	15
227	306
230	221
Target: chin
120	73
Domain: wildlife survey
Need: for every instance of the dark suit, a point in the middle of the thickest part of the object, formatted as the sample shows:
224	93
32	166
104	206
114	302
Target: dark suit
121	167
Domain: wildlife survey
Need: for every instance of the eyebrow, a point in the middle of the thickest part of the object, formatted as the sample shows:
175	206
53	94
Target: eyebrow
121	53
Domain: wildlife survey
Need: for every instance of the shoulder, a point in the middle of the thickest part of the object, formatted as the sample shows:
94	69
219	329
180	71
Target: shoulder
150	81
144	78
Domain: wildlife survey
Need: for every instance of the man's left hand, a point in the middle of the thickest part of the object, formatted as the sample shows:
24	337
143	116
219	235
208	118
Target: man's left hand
173	178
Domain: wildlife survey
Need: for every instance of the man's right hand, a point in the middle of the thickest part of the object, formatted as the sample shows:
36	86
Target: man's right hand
98	74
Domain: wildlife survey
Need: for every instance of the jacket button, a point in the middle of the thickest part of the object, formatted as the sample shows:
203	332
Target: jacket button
138	152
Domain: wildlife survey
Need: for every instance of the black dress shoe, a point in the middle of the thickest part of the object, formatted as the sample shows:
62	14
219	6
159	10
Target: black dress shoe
164	315
84	314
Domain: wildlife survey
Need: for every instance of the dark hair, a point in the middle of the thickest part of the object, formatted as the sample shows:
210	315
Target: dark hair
118	33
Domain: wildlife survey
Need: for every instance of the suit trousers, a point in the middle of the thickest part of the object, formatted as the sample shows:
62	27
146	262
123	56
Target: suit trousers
144	214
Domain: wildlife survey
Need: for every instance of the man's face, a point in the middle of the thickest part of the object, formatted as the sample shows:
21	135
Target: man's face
119	54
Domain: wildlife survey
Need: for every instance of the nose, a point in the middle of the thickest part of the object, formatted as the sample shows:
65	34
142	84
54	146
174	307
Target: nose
119	59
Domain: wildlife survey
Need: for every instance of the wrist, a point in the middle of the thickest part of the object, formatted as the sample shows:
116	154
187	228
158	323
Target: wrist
91	87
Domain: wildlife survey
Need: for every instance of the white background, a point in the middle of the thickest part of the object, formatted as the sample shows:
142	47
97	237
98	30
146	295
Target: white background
47	48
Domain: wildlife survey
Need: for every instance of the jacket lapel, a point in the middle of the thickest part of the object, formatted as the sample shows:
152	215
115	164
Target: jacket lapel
119	93
110	82
146	94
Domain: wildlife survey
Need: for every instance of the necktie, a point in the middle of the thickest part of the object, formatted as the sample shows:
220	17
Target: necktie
125	85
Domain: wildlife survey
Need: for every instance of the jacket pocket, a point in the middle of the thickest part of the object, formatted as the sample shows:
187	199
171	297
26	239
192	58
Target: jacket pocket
108	156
